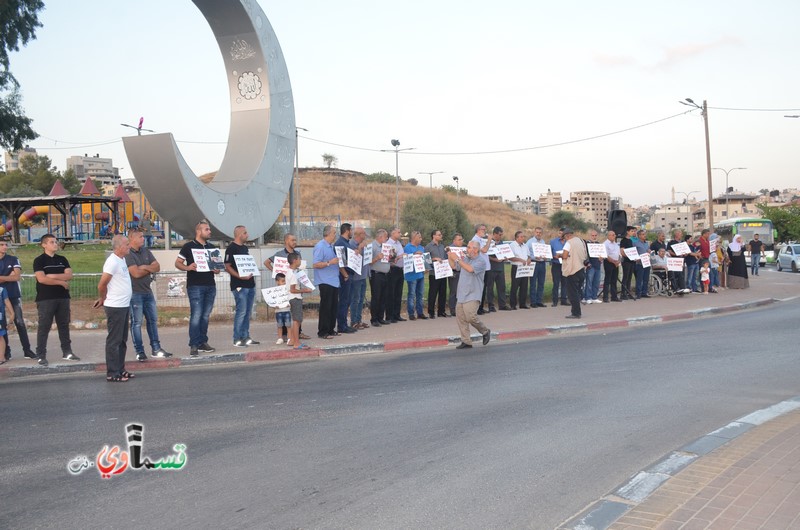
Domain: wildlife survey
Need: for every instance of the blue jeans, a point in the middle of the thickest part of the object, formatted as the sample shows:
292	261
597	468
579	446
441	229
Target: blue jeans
714	278
343	307
244	306
537	282
201	302
415	289
357	294
691	274
755	257
590	290
642	279
144	305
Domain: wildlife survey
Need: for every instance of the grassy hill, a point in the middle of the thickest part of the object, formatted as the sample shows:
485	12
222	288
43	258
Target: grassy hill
326	192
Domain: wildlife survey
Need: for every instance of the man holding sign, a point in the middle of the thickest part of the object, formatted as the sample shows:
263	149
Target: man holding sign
200	286
243	285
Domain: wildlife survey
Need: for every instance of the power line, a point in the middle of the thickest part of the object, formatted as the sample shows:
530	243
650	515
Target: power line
754	110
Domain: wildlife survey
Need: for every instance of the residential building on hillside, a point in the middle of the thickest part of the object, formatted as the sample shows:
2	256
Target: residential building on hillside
549	203
11	160
101	170
591	206
524	205
675	215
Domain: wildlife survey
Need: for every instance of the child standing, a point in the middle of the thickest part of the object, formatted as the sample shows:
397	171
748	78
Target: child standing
705	271
283	315
296	291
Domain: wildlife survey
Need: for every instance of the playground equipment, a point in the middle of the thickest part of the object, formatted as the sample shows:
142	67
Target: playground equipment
25	218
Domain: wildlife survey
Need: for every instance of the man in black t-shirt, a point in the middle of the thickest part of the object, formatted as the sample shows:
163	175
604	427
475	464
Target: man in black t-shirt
242	287
628	264
200	286
53	275
10	272
676	278
756	247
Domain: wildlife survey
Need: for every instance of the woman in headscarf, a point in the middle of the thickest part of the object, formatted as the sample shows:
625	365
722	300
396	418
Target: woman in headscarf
737	269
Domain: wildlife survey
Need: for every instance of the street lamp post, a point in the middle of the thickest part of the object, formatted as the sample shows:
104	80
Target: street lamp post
689	209
727	192
294	190
430	175
396	145
704	110
456	179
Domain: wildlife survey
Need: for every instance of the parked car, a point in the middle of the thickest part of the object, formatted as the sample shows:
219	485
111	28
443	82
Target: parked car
789	257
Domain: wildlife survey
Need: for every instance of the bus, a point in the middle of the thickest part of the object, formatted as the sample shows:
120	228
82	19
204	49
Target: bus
748	227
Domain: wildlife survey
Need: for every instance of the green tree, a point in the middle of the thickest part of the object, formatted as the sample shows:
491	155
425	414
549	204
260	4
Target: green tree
785	220
381	176
452	189
35	175
562	218
18	22
427	213
71	182
329	160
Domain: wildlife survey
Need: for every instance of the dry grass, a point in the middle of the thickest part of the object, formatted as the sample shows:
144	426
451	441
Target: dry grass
352	197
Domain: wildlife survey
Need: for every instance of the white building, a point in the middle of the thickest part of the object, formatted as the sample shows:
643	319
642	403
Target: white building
11	160
101	170
591	206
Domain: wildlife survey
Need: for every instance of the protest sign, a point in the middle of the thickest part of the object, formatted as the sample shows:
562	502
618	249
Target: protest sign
681	249
503	251
597	250
277	296
246	265
631	253
645	260
542	250
408	266
303	279
200	256
279	265
675	264
386	250
442	269
419	263
367	254
525	271
354	262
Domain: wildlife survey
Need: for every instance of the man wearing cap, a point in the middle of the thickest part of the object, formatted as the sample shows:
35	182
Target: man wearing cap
574	256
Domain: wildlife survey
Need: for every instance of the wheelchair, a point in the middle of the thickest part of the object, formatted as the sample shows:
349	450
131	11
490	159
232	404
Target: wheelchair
659	284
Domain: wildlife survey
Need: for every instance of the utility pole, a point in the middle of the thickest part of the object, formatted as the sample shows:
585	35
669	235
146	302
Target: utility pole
704	112
430	175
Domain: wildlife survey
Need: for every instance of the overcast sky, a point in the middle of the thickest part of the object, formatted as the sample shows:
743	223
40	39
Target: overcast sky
448	76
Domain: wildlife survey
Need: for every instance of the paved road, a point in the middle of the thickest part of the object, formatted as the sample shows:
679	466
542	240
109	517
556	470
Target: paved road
509	436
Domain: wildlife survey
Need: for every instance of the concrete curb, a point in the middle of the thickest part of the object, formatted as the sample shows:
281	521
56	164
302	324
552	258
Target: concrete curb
603	513
380	347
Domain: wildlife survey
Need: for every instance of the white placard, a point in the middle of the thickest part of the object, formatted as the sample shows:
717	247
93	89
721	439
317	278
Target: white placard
675	264
597	250
408	266
442	269
246	265
386	250
366	254
631	253
681	249
354	261
200	256
419	263
341	253
712	245
216	261
645	260
279	265
525	271
503	251
303	264
542	250
277	296
461	251
303	279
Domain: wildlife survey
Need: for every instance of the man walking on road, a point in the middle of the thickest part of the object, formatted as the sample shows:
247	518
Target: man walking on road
142	265
10	272
243	289
470	290
201	288
114	294
53	275
755	247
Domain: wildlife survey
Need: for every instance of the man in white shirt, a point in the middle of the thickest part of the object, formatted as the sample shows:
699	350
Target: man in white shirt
611	267
484	242
539	268
519	286
115	291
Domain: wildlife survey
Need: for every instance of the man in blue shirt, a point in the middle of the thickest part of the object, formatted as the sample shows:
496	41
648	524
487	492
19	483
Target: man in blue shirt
559	282
326	276
10	272
415	280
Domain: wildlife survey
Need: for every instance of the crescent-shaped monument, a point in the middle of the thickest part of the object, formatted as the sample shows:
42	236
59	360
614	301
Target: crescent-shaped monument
253	180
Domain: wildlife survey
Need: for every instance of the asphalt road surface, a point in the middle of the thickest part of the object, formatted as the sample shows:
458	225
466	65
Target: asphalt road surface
508	436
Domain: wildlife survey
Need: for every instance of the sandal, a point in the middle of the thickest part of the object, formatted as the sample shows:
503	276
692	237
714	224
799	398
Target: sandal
329	337
117	379
128	375
302	347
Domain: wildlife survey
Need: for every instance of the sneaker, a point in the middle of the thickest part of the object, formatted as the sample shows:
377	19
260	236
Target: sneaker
30	355
250	342
279	341
289	342
194	352
141	357
598	301
584	302
240	343
161	353
71	357
205	348
43	362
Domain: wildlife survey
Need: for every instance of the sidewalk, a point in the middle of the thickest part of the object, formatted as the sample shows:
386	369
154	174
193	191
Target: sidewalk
768	288
743	476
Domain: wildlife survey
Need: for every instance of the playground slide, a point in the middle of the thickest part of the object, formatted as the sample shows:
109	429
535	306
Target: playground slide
26	216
